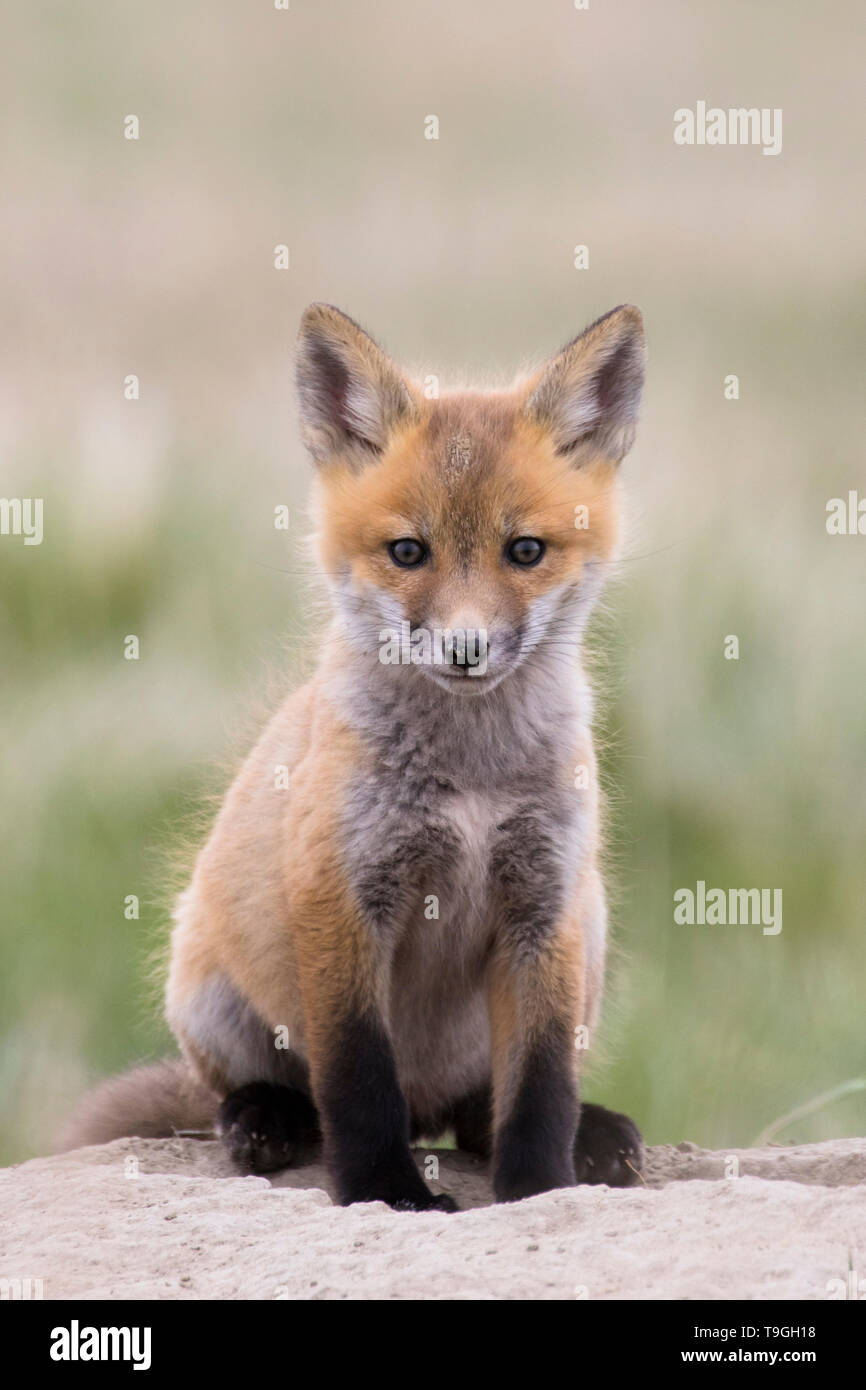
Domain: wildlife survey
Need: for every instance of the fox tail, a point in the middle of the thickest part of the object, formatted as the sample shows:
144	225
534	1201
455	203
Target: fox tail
153	1102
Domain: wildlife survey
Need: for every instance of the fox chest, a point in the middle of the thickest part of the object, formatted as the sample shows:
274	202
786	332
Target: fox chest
451	864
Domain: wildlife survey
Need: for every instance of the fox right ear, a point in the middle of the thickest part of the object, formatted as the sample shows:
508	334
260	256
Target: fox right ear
588	396
351	394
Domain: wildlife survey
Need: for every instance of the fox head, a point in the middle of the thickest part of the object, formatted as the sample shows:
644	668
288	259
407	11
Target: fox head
473	529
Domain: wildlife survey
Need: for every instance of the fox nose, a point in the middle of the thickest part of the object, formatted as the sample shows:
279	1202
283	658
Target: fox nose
456	651
465	649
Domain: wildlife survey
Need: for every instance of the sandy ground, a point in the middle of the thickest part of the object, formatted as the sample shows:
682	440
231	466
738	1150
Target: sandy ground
166	1219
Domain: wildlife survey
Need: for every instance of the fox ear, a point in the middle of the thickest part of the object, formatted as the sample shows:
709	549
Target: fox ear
588	395
351	394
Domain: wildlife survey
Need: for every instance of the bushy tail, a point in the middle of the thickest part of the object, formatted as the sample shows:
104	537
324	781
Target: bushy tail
153	1102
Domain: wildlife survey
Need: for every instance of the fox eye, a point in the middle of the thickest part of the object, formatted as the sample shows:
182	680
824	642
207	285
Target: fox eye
526	550
407	552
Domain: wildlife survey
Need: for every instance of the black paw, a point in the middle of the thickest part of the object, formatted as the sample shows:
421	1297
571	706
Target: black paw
429	1203
398	1184
266	1127
608	1148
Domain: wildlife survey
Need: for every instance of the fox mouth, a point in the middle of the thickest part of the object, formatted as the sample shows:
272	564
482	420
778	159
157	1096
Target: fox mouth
463	681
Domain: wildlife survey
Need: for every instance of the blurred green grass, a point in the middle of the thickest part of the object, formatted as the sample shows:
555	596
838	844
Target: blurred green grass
156	258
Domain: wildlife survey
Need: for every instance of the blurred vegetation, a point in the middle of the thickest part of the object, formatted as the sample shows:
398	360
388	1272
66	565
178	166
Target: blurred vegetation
156	257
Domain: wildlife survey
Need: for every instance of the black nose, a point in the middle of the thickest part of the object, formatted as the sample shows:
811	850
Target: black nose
457	654
464	650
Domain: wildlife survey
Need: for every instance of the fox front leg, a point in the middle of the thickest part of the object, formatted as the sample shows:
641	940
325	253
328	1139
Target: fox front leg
536	1106
362	1111
536	999
366	1120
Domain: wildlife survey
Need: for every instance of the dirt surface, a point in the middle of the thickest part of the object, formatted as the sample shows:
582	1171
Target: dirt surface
167	1219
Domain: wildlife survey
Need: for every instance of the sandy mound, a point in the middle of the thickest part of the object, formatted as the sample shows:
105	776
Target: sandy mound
166	1219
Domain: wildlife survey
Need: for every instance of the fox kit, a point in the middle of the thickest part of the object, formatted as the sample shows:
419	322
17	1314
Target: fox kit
397	926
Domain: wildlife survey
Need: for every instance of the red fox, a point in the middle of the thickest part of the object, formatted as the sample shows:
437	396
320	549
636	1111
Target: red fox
397	926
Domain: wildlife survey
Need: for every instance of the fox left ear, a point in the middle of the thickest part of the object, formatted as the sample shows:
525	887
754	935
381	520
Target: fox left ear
588	396
351	394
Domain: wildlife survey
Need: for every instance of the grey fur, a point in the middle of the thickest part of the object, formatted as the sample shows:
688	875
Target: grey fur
223	1028
469	805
